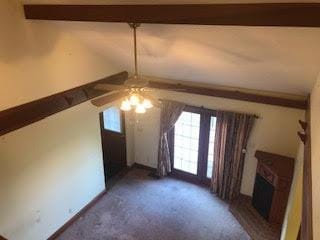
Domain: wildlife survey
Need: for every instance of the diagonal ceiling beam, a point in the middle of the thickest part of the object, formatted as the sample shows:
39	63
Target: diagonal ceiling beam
20	116
258	14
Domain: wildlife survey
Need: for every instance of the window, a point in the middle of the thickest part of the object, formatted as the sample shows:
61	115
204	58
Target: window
112	119
186	142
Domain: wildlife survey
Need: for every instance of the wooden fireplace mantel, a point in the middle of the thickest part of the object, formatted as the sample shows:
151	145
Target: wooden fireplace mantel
275	168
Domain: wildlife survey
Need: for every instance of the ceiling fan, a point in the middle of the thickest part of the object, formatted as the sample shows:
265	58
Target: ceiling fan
133	92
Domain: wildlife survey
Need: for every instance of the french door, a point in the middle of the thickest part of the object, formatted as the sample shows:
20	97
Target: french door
191	145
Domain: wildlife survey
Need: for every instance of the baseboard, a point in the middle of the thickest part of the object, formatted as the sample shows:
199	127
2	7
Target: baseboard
141	166
78	215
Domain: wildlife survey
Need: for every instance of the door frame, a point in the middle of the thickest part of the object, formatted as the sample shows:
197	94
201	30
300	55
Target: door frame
203	147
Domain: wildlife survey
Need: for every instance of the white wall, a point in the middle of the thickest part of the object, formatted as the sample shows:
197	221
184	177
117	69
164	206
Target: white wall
275	131
315	157
51	169
130	126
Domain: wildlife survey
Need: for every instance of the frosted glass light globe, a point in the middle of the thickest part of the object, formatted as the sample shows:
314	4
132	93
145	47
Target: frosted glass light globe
125	105
147	103
140	109
134	99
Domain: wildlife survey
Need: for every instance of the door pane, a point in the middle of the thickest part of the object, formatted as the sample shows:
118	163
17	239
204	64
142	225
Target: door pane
112	119
211	146
186	142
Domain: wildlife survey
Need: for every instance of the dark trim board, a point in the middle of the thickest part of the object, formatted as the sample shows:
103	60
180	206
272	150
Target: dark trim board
28	113
236	95
306	222
78	215
141	166
240	14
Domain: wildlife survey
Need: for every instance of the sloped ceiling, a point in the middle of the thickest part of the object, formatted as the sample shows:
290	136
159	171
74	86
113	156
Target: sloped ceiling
277	59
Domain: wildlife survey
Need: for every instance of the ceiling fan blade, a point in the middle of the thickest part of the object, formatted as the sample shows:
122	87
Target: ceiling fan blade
117	79
108	98
156	85
154	101
150	89
109	87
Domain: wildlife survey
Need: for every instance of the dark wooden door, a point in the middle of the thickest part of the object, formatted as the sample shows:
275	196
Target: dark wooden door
113	137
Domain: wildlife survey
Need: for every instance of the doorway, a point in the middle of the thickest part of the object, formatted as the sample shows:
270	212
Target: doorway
192	143
113	136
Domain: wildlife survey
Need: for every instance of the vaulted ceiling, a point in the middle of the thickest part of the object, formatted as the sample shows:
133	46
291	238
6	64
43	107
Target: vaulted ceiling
277	59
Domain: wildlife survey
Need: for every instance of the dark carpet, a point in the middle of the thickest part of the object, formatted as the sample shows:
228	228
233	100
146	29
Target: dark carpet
139	207
256	226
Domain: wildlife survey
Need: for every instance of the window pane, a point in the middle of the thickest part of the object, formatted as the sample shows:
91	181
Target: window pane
112	119
211	146
186	142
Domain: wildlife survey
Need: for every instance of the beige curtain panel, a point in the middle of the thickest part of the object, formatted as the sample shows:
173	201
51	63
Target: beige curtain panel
170	112
232	134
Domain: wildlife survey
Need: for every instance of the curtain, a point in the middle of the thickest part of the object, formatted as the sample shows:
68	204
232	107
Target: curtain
170	112
232	134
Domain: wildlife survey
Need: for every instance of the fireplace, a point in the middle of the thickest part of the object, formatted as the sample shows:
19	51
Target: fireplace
262	196
272	185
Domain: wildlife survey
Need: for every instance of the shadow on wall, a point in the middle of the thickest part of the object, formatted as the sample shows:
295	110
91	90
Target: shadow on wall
22	38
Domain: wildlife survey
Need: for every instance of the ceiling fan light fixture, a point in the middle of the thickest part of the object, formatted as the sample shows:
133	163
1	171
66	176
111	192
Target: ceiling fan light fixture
133	91
125	105
147	103
140	108
134	99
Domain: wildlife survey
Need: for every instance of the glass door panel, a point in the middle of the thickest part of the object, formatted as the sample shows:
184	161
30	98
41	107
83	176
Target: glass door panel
211	146
186	142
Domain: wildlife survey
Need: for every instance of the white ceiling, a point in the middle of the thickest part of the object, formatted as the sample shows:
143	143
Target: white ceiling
262	58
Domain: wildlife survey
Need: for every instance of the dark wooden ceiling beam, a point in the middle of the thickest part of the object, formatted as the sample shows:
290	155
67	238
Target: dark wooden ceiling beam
28	113
231	94
250	14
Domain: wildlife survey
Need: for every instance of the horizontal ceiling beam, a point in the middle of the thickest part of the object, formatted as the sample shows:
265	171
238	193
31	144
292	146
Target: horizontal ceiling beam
231	94
250	14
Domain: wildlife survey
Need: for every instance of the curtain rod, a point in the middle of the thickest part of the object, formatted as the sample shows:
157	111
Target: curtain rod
161	99
254	115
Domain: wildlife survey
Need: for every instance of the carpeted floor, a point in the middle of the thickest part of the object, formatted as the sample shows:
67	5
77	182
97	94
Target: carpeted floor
256	226
139	207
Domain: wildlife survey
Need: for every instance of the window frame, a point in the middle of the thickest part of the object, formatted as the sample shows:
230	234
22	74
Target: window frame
122	122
